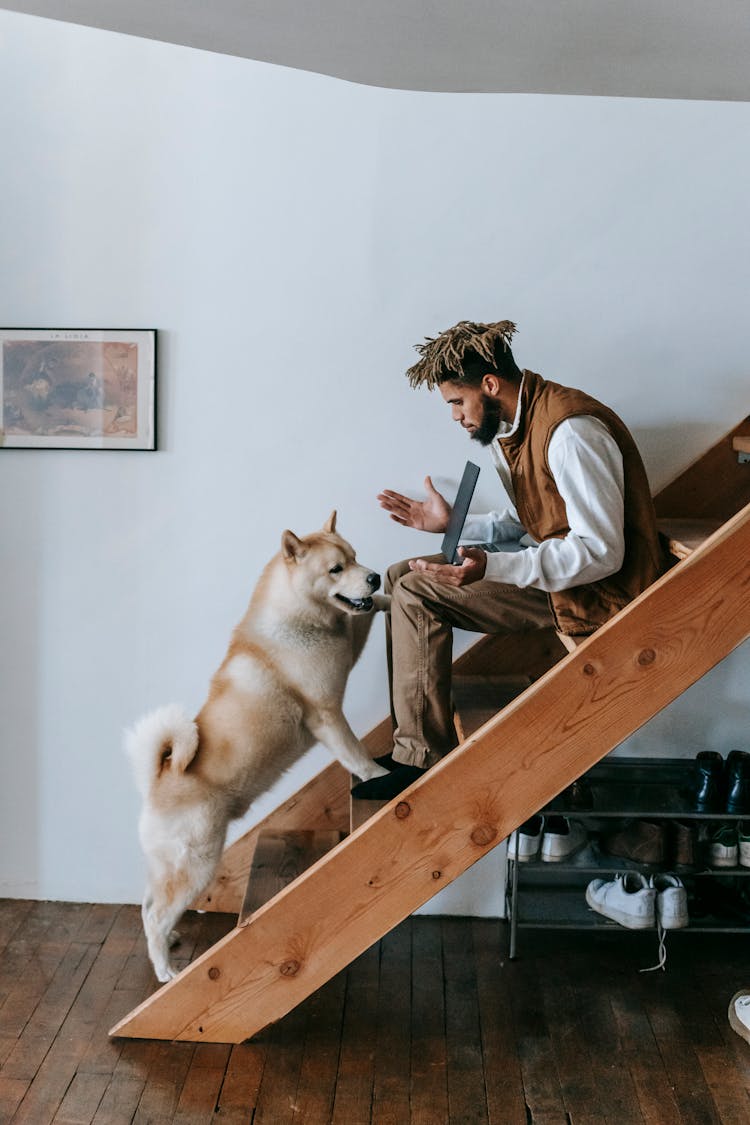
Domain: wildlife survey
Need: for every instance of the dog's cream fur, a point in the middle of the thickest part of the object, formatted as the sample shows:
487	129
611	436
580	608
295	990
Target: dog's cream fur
279	690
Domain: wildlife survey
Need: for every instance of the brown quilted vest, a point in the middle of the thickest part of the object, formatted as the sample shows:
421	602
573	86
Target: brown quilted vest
580	609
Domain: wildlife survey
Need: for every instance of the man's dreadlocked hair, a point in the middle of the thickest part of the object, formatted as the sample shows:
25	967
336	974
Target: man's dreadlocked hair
464	353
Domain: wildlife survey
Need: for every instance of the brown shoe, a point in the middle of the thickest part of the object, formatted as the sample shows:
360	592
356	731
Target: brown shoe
681	838
640	840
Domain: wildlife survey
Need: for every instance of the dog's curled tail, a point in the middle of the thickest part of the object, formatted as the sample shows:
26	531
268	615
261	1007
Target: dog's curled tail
164	740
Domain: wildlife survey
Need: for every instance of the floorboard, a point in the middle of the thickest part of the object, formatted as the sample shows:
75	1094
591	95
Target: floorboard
320	1061
502	1065
352	1101
392	1062
281	1075
467	1099
431	1026
429	1064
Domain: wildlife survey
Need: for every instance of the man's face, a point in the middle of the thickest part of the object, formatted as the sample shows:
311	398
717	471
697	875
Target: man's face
476	412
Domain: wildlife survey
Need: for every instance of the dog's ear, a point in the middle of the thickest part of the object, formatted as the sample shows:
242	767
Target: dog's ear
292	547
330	526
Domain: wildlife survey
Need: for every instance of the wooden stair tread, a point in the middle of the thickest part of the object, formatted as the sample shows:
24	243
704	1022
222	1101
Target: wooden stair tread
685	535
280	857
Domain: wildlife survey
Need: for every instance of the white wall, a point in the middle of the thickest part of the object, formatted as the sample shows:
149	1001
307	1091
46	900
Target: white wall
291	237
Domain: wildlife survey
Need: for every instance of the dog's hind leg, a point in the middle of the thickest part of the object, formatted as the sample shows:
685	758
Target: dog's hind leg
167	899
161	911
332	729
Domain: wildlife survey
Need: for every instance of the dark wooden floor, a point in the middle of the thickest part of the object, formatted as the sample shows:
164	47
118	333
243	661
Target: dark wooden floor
431	1026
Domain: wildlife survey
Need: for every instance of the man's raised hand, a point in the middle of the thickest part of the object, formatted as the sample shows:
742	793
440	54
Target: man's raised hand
430	514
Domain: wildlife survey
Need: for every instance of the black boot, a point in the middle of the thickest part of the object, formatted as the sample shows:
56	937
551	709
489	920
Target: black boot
709	768
738	782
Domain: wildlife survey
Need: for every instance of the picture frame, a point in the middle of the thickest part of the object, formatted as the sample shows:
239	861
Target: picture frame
78	388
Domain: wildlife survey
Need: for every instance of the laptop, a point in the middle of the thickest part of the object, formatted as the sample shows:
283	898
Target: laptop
460	512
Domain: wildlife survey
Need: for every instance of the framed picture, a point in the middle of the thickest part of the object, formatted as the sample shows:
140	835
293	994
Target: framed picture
78	388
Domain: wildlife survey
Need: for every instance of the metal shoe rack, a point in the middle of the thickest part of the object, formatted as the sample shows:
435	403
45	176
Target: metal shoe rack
543	895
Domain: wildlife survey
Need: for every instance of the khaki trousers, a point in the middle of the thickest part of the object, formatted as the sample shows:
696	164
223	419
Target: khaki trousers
419	638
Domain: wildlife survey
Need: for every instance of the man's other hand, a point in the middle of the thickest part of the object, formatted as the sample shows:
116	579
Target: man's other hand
430	514
472	568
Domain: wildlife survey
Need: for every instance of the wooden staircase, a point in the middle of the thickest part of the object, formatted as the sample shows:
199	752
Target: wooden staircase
567	711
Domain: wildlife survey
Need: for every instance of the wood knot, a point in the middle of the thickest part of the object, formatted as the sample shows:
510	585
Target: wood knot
436	874
289	968
646	656
214	973
589	670
403	808
483	834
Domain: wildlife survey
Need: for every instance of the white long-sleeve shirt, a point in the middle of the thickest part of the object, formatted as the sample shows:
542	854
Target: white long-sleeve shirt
586	464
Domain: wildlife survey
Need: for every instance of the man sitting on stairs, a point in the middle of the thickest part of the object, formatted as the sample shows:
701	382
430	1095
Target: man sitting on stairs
575	542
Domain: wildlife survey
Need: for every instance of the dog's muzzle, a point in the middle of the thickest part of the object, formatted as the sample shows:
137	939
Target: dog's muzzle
363	605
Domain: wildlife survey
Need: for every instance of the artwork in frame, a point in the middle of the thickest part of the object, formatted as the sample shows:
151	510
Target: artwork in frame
78	388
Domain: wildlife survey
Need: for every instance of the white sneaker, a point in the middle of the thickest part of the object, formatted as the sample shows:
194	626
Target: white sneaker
562	838
739	1014
529	837
743	837
724	846
627	899
671	901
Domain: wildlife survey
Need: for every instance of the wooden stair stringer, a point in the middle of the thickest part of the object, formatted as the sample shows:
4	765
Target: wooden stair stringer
583	707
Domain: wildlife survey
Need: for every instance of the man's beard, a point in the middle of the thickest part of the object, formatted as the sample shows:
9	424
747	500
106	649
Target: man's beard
487	429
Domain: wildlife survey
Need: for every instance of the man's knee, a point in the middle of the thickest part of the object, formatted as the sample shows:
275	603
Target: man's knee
414	586
394	574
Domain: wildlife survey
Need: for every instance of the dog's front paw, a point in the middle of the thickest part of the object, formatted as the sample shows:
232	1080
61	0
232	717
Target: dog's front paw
381	602
370	771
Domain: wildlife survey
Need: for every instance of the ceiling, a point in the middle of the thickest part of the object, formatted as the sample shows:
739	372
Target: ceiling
697	49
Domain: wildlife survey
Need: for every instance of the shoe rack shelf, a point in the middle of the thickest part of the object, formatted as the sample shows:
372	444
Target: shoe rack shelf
550	895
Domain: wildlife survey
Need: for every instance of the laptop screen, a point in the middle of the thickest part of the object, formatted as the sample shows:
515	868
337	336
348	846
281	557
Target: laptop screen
459	513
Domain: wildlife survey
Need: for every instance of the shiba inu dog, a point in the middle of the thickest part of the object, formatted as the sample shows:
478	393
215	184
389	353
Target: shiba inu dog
278	691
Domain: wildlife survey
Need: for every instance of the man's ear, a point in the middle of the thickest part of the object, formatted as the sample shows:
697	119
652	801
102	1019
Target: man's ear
491	384
330	526
292	547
